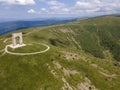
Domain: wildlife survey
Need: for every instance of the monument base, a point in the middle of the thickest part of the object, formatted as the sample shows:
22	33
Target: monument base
17	46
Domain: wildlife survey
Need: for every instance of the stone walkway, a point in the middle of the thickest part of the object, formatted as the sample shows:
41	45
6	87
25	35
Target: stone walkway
33	53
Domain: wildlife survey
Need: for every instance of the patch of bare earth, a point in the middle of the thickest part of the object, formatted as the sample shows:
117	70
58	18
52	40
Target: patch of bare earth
86	85
54	73
109	75
71	56
104	72
67	72
66	30
67	86
57	64
73	39
94	65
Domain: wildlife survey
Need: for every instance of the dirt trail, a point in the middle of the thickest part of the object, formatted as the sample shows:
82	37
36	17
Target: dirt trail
67	72
86	85
73	39
66	30
109	75
53	71
104	72
66	85
6	40
70	37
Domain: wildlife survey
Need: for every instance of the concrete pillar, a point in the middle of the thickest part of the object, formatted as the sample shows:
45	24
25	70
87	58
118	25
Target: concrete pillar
21	40
13	41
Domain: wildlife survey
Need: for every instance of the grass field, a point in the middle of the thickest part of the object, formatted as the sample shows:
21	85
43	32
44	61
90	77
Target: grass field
83	54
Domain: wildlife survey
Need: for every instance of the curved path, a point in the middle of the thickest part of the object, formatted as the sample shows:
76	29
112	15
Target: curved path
22	54
33	53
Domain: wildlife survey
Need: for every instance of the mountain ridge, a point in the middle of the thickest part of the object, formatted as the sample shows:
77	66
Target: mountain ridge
9	26
82	55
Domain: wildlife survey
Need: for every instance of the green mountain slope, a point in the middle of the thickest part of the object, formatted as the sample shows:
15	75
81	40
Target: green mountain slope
82	55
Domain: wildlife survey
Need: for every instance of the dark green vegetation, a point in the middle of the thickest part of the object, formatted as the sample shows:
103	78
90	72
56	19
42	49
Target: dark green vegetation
84	53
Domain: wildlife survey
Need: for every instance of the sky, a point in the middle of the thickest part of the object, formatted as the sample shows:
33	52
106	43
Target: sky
23	9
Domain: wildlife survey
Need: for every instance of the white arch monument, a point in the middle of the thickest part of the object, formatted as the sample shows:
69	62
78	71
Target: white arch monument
14	36
14	41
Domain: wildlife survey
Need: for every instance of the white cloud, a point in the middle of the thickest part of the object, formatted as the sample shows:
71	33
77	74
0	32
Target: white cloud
18	2
31	11
57	7
60	10
88	5
65	9
43	10
92	10
80	7
93	6
55	3
52	2
54	7
83	5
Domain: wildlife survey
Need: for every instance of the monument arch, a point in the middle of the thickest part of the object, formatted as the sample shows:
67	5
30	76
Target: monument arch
14	39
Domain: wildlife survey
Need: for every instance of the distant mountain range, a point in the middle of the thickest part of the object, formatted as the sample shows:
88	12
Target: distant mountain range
8	26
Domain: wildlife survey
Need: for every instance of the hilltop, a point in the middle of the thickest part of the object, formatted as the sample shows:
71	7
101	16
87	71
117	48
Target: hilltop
83	55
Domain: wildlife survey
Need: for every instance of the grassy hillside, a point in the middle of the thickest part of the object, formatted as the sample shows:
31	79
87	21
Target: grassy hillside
83	54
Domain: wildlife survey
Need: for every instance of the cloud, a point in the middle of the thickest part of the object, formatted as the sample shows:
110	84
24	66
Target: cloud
55	3
18	2
43	10
65	9
93	6
79	7
55	7
59	10
52	2
83	5
87	5
92	10
31	11
40	11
